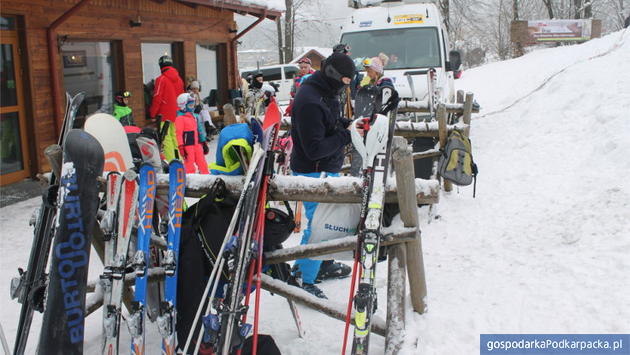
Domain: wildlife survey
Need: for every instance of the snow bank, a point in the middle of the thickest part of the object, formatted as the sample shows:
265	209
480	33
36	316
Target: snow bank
544	247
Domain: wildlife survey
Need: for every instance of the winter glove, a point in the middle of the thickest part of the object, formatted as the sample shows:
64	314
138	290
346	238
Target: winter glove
206	150
198	109
182	151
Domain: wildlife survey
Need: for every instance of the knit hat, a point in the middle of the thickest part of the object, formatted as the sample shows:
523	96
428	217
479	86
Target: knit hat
376	63
338	66
195	85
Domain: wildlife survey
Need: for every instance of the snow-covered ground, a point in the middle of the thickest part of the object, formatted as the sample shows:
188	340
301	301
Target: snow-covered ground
545	246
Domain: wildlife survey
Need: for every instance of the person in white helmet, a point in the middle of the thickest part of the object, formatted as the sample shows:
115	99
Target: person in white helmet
187	134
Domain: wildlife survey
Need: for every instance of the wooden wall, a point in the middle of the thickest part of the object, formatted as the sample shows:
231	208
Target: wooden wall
162	21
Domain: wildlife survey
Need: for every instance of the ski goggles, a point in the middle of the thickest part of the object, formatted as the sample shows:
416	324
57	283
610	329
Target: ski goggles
341	48
305	61
126	94
367	62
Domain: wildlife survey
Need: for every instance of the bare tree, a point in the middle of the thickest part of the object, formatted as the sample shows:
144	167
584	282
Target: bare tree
445	10
549	7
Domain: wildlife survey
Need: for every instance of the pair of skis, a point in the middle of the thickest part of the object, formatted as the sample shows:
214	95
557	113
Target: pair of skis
374	146
141	197
117	223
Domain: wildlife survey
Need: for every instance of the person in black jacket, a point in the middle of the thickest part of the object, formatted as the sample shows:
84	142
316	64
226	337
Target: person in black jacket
319	136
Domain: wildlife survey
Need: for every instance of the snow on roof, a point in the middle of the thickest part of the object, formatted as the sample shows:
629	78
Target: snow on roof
324	51
277	5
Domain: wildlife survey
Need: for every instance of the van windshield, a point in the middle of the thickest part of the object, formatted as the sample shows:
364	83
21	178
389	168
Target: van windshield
406	47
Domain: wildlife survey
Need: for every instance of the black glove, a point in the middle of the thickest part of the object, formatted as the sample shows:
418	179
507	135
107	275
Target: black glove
206	150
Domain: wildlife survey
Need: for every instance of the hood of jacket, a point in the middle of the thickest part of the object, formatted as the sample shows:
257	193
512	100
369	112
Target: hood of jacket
171	74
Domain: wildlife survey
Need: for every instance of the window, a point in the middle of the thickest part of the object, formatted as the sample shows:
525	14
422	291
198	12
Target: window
272	74
406	47
7	23
90	67
151	53
290	72
207	68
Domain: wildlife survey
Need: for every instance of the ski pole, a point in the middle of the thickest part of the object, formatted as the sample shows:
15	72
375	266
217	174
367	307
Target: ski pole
355	272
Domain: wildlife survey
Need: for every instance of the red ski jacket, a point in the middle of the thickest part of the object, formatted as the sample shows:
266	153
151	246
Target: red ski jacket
167	87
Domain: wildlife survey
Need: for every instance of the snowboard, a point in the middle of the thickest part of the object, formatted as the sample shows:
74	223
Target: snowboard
29	287
77	204
111	134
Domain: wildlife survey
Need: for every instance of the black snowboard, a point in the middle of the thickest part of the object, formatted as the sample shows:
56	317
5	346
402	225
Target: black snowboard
64	315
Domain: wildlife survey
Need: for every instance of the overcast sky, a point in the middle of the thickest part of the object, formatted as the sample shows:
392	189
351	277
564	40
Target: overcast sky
319	26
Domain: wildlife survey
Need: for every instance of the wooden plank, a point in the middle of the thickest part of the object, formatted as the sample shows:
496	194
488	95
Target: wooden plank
396	293
333	246
299	188
403	164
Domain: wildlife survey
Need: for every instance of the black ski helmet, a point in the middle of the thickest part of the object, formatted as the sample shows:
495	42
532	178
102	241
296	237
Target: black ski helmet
165	61
120	95
278	226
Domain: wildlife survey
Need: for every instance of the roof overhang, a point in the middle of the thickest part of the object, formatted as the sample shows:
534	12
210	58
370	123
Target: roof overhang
239	7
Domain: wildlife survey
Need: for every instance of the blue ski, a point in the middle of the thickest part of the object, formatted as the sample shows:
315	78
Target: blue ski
146	204
168	317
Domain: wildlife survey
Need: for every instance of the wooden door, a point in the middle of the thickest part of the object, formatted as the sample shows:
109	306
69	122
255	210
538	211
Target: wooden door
14	164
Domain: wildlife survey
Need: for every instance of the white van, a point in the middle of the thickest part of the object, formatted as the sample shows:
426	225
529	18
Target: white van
413	36
280	75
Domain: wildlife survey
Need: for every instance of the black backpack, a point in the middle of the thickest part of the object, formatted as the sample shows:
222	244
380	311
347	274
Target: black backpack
204	225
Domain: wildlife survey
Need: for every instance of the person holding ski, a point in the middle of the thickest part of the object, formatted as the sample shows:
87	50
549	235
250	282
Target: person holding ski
167	87
122	111
190	136
319	136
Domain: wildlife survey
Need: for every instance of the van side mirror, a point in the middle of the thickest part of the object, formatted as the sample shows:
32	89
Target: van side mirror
455	60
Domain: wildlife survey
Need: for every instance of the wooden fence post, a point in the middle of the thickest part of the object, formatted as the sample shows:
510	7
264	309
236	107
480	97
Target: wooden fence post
396	292
468	105
441	118
403	165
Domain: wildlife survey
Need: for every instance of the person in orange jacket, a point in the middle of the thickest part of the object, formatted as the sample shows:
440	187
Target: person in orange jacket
188	136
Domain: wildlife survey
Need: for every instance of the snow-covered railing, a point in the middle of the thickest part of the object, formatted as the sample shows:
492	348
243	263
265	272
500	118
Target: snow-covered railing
448	118
344	189
423	106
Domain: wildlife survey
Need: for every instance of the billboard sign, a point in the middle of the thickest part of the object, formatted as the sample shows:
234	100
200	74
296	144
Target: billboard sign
558	30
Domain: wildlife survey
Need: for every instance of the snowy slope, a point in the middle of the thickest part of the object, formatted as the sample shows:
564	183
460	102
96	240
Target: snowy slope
544	248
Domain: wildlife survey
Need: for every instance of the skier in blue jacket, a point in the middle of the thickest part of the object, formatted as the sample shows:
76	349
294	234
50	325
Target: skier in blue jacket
319	136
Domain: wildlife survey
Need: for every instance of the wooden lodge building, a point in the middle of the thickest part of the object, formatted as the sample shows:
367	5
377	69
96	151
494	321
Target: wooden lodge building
100	47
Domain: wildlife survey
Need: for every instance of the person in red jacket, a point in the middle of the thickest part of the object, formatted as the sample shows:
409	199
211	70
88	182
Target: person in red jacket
188	136
167	87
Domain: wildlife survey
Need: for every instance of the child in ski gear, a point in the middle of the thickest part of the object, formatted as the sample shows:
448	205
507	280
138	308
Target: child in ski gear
167	87
188	136
122	111
319	136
